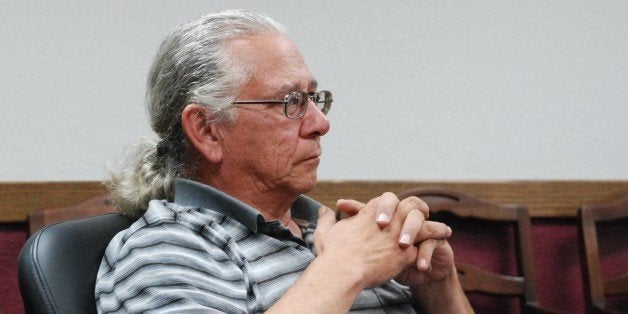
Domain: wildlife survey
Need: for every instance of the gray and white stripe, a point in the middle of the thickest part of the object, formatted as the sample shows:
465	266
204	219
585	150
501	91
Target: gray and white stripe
187	259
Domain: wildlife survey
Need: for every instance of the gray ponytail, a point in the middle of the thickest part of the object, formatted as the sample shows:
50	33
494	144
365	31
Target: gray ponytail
192	66
142	177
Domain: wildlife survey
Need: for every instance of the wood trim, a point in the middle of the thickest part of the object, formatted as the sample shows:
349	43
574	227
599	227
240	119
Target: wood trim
18	199
542	198
552	198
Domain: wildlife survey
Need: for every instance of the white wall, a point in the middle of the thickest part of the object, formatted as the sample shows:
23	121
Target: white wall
423	90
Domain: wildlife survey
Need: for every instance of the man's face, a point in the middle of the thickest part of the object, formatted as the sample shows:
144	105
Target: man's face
264	146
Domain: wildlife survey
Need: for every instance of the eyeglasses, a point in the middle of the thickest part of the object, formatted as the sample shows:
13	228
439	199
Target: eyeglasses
295	103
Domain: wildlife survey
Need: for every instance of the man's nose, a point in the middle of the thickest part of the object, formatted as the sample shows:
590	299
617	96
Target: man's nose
315	122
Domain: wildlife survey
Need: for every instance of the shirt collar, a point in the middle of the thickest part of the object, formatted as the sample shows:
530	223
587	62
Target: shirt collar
192	193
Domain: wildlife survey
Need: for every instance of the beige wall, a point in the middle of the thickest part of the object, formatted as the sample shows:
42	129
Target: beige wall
423	90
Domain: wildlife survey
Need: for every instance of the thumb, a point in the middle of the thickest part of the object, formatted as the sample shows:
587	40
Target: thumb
326	219
349	207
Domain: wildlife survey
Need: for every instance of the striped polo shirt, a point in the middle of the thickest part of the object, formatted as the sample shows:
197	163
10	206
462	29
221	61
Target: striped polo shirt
209	252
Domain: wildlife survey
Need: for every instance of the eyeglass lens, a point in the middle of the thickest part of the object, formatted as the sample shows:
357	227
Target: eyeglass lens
296	103
323	101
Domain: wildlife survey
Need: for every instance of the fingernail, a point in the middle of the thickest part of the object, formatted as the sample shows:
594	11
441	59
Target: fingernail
404	239
383	217
422	264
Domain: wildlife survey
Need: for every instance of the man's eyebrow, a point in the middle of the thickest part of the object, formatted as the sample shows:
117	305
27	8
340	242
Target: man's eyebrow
312	85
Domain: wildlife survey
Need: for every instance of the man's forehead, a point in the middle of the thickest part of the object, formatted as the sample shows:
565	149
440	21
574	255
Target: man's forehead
276	64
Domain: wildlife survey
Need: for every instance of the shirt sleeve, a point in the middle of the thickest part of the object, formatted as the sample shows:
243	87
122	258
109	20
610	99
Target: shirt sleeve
169	268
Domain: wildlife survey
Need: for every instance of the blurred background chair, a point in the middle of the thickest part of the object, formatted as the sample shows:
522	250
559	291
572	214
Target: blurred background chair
493	249
92	207
58	264
603	232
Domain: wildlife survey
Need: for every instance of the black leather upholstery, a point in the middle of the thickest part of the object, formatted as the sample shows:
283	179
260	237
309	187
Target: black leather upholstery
58	264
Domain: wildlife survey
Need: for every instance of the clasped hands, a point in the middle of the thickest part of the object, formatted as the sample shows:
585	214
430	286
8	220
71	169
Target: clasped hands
387	238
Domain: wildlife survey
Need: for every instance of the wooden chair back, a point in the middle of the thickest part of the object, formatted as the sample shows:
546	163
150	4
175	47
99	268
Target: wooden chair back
92	207
613	217
455	206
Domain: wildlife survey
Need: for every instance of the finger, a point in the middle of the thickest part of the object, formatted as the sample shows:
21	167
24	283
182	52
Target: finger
424	257
433	230
385	208
349	207
414	202
411	227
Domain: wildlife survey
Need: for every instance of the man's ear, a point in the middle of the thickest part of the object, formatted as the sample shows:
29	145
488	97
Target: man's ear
202	133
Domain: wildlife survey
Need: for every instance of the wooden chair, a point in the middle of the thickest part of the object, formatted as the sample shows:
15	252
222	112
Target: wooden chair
598	284
487	220
91	207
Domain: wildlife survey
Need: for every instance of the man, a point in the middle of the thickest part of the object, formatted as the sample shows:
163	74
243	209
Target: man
227	227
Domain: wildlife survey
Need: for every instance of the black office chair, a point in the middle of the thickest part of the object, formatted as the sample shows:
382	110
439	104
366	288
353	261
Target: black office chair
57	266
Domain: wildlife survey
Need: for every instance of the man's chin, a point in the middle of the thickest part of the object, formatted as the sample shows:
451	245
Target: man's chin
304	184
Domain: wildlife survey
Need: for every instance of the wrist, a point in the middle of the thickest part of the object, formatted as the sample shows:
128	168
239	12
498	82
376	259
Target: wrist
342	272
442	296
328	285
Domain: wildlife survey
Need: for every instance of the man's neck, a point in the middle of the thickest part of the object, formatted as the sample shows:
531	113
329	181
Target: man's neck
268	205
273	204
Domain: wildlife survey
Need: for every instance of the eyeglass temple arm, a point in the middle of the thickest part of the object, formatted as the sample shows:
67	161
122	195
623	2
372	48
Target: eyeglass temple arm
253	102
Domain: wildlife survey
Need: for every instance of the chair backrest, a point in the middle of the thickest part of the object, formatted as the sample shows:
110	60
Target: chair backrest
614	218
58	264
454	206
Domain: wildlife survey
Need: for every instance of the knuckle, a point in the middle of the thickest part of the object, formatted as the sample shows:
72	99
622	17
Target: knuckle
435	230
416	203
392	197
429	242
430	229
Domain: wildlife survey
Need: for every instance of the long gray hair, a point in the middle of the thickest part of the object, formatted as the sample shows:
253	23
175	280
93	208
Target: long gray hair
191	66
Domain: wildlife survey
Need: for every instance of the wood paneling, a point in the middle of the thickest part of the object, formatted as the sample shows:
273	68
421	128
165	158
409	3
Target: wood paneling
543	198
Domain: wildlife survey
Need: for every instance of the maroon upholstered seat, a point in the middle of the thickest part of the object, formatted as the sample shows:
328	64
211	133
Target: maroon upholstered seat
493	248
